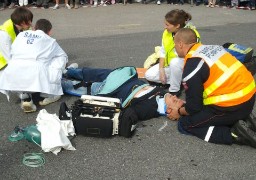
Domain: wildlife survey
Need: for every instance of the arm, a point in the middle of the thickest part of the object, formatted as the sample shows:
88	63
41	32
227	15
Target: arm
194	91
176	113
59	57
194	86
57	64
162	75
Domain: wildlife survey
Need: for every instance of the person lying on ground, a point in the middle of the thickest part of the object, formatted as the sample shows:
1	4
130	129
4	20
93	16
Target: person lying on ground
147	101
36	66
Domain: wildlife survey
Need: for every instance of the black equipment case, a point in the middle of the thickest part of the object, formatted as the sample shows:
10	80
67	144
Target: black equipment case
96	116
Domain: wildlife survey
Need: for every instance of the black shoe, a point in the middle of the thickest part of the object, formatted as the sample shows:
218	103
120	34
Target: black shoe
27	99
251	121
243	135
46	6
251	65
64	112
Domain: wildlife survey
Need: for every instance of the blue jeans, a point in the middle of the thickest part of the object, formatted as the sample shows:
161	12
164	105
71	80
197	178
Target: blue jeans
83	75
68	88
75	73
88	74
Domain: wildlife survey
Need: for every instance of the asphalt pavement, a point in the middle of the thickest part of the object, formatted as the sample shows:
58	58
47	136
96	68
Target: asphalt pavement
114	36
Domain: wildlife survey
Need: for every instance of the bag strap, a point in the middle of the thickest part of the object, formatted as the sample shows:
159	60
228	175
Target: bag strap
84	84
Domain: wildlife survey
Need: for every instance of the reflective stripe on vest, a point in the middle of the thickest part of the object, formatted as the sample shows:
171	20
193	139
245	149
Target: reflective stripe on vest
235	47
235	95
228	73
214	55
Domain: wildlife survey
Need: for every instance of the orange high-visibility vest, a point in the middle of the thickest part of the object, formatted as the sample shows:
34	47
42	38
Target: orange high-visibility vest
229	82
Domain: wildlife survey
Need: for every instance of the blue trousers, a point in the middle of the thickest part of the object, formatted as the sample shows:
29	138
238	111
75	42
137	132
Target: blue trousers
86	74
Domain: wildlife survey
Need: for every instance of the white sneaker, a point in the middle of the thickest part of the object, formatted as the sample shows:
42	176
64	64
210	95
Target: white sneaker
67	6
23	96
11	6
21	3
49	100
28	106
158	2
73	65
55	7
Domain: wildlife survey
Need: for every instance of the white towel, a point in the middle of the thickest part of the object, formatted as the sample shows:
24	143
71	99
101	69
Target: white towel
54	132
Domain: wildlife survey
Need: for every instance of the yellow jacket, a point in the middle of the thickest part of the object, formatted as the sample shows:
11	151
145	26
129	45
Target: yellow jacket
168	43
8	27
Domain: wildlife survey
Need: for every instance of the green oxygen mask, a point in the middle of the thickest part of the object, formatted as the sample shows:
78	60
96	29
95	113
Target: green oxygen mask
29	133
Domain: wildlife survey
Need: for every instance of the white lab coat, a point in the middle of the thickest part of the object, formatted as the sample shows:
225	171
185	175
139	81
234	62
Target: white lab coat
36	65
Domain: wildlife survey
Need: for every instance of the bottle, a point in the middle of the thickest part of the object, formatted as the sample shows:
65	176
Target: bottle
31	134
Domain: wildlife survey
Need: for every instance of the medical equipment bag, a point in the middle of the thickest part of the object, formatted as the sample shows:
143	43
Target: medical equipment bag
96	116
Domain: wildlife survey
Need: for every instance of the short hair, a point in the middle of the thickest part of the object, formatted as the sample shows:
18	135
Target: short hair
44	25
20	15
178	16
186	35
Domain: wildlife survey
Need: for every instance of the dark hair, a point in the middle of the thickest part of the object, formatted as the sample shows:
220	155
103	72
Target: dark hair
177	16
44	25
20	15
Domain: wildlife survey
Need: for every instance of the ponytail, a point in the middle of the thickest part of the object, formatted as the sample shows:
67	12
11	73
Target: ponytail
178	16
